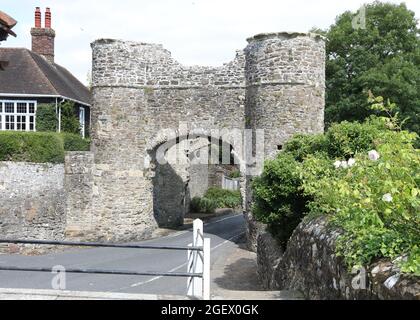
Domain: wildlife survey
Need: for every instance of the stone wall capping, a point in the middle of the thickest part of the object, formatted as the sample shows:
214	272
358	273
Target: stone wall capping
284	35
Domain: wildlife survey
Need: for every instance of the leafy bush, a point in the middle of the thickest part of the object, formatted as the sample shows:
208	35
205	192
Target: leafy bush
278	200
203	205
363	176
216	198
374	202
31	147
74	142
301	145
46	118
224	198
345	139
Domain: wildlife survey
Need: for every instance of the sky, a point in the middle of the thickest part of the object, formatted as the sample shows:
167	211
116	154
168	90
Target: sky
203	32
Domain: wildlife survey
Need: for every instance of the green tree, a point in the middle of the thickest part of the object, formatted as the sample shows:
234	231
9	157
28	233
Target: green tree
383	57
69	120
46	118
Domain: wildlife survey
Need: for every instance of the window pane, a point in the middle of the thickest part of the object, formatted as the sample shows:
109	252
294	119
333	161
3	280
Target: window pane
32	108
31	123
1	107
21	107
1	122
9	107
10	122
20	122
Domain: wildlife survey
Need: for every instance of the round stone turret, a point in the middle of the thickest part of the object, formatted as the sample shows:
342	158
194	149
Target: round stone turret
285	77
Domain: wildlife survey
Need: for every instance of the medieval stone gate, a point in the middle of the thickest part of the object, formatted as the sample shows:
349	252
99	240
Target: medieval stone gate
140	93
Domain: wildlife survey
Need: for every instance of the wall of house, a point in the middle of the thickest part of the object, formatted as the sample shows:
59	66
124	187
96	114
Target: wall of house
32	201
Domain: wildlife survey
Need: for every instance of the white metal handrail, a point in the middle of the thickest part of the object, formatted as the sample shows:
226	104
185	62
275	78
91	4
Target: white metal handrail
198	263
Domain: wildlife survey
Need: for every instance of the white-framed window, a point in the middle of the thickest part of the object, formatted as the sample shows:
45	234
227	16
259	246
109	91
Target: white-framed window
18	115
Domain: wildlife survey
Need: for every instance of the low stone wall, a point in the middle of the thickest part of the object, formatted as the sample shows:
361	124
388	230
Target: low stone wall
310	265
254	229
78	183
32	202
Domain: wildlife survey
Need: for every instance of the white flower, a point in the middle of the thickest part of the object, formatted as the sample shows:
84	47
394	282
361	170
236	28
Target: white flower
344	164
337	164
387	197
373	155
351	162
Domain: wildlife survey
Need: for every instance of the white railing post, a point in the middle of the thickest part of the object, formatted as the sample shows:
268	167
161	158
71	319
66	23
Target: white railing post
199	262
195	262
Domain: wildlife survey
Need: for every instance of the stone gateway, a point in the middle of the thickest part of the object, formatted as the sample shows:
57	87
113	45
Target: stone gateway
143	98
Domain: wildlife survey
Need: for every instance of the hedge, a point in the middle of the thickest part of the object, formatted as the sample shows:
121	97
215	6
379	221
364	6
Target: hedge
31	147
74	142
39	147
203	205
224	198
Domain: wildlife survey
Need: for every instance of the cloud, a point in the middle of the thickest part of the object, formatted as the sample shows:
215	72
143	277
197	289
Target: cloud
203	32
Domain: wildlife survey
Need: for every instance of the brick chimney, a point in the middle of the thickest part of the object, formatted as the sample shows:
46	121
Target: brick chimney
43	38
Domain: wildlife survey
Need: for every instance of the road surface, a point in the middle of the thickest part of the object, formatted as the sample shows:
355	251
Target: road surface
223	231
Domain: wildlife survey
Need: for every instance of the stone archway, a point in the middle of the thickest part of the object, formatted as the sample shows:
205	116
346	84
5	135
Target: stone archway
180	165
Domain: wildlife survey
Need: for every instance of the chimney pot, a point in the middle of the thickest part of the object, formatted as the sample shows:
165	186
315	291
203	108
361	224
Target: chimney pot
43	38
37	17
47	18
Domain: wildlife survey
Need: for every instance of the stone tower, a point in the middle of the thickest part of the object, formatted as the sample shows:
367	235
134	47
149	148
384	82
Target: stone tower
285	89
285	85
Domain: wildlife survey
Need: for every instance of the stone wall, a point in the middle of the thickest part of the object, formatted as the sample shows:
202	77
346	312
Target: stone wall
32	200
78	183
311	266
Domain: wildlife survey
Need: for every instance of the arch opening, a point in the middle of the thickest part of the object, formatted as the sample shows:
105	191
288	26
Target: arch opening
184	167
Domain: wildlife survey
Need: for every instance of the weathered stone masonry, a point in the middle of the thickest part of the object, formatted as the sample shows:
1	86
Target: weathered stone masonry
32	201
309	264
139	91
